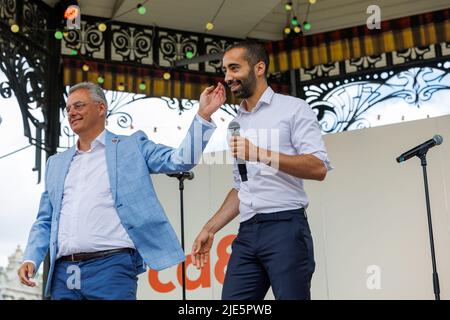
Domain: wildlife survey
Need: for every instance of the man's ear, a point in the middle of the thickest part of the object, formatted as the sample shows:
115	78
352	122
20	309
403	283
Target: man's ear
260	68
103	109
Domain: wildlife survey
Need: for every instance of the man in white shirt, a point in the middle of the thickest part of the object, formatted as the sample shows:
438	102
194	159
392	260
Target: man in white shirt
274	245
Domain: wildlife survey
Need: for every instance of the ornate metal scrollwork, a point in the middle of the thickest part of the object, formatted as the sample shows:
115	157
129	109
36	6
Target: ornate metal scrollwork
132	44
88	40
35	19
416	53
25	70
7	10
343	105
24	59
214	46
323	70
364	63
175	46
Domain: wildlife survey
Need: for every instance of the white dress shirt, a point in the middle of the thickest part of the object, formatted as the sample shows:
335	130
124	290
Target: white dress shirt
88	220
283	124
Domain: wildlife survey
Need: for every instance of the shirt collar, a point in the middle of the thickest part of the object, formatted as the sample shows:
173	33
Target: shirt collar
99	140
265	98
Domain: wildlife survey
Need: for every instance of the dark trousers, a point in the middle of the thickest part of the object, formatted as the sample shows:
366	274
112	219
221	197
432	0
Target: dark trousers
275	250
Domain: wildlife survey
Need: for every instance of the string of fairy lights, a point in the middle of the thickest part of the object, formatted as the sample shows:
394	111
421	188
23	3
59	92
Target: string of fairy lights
72	12
293	24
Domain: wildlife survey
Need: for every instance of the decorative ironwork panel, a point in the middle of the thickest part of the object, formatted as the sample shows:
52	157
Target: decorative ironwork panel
35	20
445	49
367	100
8	11
131	44
88	41
138	44
323	70
213	46
412	54
364	63
25	69
175	46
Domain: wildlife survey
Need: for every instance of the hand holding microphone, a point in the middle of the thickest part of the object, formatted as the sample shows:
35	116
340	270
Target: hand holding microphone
237	146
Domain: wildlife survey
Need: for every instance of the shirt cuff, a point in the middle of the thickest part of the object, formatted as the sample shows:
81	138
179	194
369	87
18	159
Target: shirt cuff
210	124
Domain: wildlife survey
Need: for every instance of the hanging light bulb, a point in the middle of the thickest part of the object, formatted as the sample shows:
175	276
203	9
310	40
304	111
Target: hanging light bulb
102	27
306	25
85	67
287	30
58	35
141	9
142	86
294	21
15	28
121	86
189	54
297	29
166	76
72	12
73	52
288	6
209	26
100	80
312	1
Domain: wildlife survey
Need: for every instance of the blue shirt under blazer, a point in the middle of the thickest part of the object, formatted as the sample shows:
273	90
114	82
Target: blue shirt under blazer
129	160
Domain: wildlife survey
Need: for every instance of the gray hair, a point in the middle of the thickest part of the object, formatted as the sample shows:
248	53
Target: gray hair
96	91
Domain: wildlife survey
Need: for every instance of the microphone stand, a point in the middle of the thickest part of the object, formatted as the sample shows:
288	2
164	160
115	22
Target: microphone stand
181	176
423	161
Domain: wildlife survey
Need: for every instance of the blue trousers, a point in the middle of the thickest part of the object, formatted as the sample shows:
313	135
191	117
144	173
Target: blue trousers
109	278
275	250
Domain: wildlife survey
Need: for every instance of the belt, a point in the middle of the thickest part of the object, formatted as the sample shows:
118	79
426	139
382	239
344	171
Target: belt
83	256
275	216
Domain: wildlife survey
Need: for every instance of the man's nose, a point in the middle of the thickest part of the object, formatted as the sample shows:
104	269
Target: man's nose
71	112
228	78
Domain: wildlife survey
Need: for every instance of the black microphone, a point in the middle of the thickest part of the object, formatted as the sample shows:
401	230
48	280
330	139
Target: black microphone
421	148
189	175
234	126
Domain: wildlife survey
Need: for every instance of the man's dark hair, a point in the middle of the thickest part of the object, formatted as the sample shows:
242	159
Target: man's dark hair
254	52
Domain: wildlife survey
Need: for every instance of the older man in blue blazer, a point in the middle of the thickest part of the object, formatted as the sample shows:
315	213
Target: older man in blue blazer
99	214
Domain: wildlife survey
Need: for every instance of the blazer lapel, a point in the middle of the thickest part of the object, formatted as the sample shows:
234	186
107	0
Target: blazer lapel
111	142
64	165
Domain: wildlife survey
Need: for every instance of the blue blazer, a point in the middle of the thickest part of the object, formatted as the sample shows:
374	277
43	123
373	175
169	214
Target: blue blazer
129	161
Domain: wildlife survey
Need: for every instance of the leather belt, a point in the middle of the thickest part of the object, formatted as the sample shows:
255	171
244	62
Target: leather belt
84	256
275	216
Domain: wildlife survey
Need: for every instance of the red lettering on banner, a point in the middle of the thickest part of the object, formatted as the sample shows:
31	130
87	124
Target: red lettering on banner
157	285
204	280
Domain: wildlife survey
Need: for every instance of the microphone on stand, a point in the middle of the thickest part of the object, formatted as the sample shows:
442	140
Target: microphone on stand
421	148
189	175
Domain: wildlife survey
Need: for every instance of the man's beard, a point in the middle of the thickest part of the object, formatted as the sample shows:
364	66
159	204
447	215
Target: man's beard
247	88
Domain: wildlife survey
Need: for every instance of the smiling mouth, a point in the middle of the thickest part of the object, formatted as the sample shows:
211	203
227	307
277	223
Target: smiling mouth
235	86
74	121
